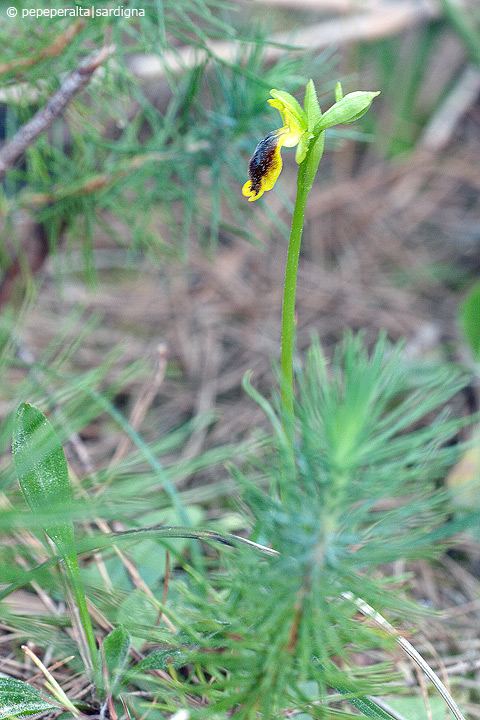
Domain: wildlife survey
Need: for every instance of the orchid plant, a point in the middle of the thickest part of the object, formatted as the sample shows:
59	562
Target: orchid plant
304	128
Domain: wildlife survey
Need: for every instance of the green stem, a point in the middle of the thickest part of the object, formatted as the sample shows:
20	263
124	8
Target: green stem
288	311
71	563
306	174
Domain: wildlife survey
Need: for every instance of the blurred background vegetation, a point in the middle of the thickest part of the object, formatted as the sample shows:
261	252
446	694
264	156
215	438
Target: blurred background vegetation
138	286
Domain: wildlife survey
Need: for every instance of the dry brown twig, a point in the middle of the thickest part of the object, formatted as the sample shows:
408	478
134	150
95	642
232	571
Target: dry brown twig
56	104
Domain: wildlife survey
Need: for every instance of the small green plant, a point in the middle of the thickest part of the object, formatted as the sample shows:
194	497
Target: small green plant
358	441
273	625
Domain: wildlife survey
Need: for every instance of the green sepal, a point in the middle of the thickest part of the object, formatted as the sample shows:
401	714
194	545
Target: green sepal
291	104
338	91
312	108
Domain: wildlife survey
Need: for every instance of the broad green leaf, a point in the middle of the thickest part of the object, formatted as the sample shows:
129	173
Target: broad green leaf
160	659
116	648
20	698
470	320
43	474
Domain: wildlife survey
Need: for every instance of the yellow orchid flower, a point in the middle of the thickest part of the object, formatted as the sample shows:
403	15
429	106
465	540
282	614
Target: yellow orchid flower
266	163
299	127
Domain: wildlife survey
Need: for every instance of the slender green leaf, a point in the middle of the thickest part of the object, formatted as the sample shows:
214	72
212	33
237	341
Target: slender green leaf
369	708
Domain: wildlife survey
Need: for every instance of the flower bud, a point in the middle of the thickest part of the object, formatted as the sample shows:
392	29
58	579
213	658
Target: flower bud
347	110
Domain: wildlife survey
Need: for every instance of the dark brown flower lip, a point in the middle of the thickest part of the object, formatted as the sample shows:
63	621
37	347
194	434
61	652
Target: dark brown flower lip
262	160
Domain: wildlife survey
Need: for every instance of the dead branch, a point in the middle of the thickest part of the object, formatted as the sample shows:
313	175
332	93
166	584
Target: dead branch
54	107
